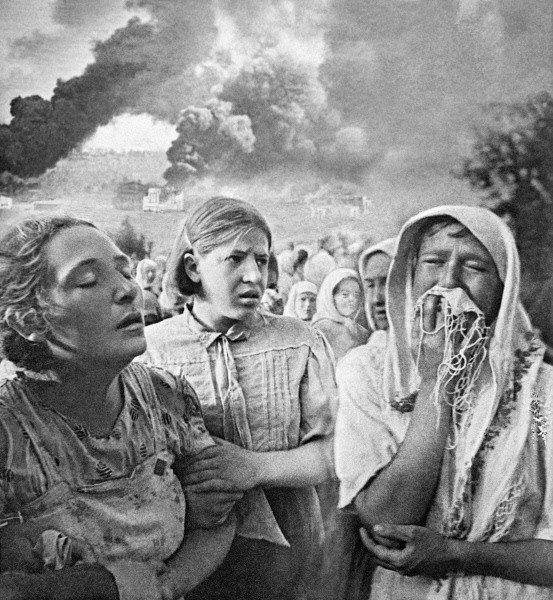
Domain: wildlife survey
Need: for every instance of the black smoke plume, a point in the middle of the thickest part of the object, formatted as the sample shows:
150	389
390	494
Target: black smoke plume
140	68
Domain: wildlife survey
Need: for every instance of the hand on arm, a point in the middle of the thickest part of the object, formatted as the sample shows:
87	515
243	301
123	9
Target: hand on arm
412	550
227	467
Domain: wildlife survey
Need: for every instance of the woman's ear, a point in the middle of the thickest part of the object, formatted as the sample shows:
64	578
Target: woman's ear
190	263
26	328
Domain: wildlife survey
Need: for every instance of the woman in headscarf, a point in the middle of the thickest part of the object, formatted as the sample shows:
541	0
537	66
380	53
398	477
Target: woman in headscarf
146	272
446	463
338	303
374	264
302	301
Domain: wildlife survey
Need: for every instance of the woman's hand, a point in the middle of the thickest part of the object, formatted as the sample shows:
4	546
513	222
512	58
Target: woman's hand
222	468
428	338
208	509
411	550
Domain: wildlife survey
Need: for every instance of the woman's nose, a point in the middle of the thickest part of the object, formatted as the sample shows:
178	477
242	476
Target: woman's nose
449	277
127	290
252	272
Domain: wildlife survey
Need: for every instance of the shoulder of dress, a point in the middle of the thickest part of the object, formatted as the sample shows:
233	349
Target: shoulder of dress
285	329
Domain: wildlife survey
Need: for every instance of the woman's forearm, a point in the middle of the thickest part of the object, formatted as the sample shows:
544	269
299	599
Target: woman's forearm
303	466
403	490
201	552
526	561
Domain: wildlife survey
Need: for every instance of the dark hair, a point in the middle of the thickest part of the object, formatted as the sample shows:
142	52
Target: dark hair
23	296
217	221
300	258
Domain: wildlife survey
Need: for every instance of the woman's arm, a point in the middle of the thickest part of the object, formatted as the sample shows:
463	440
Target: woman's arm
402	491
227	466
425	552
81	582
201	552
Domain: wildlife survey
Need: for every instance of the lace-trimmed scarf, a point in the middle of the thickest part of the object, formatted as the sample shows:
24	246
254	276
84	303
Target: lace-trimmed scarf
489	434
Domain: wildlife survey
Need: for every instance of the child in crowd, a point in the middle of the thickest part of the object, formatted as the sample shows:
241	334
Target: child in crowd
302	301
339	301
267	389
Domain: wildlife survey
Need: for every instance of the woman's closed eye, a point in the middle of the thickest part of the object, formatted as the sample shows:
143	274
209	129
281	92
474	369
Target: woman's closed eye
87	283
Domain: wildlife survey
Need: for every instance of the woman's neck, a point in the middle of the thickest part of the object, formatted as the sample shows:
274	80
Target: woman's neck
209	317
88	396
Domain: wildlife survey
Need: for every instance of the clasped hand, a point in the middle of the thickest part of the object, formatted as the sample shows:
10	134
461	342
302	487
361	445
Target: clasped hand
410	550
215	479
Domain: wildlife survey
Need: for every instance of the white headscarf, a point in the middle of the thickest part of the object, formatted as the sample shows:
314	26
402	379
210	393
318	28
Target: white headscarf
301	287
490	447
141	269
326	309
387	247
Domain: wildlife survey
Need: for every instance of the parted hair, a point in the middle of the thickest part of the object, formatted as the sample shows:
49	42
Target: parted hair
217	221
23	294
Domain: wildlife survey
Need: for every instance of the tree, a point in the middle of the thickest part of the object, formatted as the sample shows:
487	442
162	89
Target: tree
130	242
511	165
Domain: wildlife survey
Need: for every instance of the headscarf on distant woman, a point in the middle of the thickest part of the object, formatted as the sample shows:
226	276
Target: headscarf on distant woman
374	263
340	329
146	271
302	287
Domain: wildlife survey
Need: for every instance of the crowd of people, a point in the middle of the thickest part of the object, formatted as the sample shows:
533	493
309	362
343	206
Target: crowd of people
234	424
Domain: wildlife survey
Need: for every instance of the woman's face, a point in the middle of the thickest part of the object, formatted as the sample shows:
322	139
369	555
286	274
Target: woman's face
306	305
450	261
233	278
149	275
96	305
347	298
375	274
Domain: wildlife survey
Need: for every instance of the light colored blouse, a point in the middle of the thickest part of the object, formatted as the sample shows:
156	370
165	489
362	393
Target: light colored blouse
267	388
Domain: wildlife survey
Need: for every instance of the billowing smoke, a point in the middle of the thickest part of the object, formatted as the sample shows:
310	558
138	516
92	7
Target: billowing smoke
331	85
141	67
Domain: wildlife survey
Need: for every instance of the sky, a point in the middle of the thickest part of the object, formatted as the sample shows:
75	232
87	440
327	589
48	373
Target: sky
403	70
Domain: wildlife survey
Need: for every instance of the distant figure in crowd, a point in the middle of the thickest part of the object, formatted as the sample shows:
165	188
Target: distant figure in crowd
446	459
374	264
302	301
285	265
338	303
272	301
161	264
300	260
171	301
322	262
348	567
146	272
90	503
292	272
266	385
